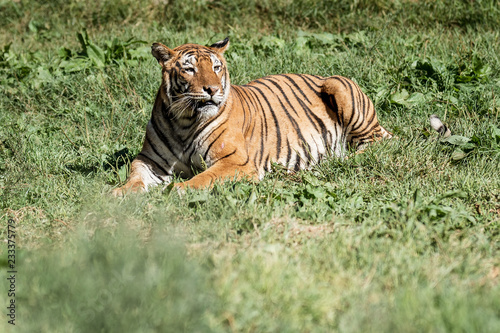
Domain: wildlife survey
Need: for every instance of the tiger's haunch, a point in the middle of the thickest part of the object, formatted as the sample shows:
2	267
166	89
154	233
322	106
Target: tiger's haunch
208	130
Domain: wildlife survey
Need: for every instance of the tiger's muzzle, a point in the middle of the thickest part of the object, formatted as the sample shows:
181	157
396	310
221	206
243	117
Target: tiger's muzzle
208	105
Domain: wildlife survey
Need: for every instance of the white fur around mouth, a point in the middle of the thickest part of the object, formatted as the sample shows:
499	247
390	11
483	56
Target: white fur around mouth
207	108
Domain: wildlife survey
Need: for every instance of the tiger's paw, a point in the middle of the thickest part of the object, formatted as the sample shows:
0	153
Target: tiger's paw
118	192
128	188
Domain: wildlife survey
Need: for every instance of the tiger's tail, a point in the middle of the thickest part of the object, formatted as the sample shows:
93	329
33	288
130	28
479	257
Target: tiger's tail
439	127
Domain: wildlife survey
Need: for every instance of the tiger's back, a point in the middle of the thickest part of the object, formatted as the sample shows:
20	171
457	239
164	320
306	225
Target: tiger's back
296	120
200	122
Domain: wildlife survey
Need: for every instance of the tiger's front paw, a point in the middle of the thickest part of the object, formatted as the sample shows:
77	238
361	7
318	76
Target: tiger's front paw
128	188
118	192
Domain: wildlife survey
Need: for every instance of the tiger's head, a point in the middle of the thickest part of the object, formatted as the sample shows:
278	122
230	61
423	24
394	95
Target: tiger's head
195	80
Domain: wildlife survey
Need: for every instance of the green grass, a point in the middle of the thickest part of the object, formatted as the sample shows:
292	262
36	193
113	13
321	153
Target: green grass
402	238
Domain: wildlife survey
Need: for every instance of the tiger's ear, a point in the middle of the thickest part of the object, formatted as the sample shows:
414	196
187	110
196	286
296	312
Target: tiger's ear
161	53
221	46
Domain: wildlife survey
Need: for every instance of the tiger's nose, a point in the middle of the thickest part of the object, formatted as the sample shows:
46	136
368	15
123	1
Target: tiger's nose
211	90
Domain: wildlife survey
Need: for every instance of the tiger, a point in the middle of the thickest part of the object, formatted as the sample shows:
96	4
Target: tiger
205	130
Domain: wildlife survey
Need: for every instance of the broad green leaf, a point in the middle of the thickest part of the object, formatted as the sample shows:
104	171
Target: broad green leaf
452	100
325	38
450	194
122	173
232	201
415	98
480	68
431	68
464	78
438	66
468	146
356	38
33	26
43	74
300	44
399	98
456	140
83	39
495	133
168	188
96	54
64	53
315	191
73	65
199	198
140	53
458	154
381	94
304	39
308	179
252	198
131	62
271	41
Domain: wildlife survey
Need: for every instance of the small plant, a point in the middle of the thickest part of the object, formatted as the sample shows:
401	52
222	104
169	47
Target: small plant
32	69
465	146
91	54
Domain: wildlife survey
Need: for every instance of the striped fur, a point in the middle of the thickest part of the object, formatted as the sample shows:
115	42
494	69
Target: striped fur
206	129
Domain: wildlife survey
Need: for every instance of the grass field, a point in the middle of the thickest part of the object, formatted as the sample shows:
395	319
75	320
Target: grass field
402	238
